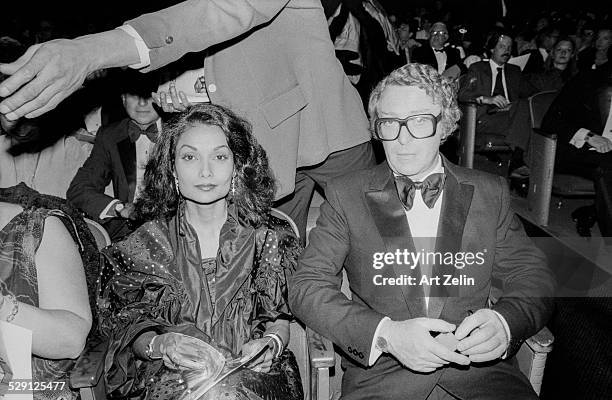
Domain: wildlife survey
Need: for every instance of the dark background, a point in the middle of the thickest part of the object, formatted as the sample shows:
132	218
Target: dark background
72	17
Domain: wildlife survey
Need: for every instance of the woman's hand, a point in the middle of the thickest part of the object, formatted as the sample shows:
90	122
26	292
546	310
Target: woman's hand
186	352
178	100
264	361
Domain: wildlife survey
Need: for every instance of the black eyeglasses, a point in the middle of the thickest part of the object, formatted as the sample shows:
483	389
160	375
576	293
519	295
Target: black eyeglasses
420	126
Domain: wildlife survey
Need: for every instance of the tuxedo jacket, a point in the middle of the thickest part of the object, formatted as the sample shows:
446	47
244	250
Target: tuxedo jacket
580	104
478	82
112	159
362	217
426	55
273	63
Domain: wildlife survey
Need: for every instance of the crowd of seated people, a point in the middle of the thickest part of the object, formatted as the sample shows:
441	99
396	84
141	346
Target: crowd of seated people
206	262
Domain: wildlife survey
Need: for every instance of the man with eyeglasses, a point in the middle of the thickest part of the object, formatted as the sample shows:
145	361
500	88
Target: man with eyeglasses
407	329
437	53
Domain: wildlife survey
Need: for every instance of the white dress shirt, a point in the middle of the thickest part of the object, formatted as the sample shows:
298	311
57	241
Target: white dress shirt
494	67
441	59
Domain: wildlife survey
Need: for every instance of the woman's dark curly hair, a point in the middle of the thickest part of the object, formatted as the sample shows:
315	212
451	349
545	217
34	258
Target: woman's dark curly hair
254	182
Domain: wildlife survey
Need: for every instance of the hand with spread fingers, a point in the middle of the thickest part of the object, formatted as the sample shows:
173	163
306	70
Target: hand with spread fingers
49	72
411	343
171	101
482	336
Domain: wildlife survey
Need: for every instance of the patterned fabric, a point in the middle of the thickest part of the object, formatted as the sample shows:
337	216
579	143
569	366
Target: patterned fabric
154	280
19	240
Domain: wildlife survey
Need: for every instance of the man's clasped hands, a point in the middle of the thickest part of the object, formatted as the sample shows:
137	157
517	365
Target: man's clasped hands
479	338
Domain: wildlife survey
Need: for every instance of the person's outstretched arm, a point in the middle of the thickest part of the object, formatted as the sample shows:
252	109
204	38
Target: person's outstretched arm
49	72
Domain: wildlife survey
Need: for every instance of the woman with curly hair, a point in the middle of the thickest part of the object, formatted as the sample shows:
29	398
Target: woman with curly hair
203	279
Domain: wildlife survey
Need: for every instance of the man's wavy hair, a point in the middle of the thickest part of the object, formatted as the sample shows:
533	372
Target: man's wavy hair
254	182
443	91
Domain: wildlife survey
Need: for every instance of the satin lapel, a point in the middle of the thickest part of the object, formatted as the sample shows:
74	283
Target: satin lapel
456	203
234	263
390	219
127	154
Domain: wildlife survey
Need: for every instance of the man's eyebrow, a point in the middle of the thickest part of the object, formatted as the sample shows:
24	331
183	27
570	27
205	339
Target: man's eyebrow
415	112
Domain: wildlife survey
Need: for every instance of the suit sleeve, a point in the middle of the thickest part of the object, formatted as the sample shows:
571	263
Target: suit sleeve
86	191
571	110
315	295
195	25
528	284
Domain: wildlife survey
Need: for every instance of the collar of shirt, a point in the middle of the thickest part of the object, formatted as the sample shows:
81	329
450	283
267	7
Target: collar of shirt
494	66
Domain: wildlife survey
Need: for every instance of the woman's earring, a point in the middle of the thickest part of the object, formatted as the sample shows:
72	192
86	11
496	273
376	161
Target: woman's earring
233	187
176	185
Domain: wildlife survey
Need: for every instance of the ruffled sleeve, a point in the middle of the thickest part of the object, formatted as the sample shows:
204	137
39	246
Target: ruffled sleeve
279	251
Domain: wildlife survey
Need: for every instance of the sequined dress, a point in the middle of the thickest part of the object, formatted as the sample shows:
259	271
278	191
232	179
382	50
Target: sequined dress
156	280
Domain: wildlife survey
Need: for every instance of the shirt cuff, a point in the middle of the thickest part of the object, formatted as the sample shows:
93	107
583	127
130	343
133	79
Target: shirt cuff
578	140
107	213
374	351
506	328
141	46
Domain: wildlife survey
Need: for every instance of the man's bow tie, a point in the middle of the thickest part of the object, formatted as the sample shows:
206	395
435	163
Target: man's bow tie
134	132
430	188
438	50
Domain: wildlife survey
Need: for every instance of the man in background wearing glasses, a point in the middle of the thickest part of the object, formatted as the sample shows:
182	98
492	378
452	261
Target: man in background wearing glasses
438	53
421	329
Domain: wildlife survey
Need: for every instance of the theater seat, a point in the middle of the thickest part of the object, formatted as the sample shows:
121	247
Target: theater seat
544	182
469	143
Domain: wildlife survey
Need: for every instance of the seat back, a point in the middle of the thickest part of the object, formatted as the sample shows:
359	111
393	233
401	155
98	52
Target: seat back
99	233
297	332
467	134
541	153
539	104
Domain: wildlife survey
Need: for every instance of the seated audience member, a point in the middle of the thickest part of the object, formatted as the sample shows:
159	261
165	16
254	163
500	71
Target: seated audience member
524	42
39	152
500	92
44	162
545	42
385	330
579	115
437	53
596	56
119	155
43	284
585	35
207	269
406	42
558	69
